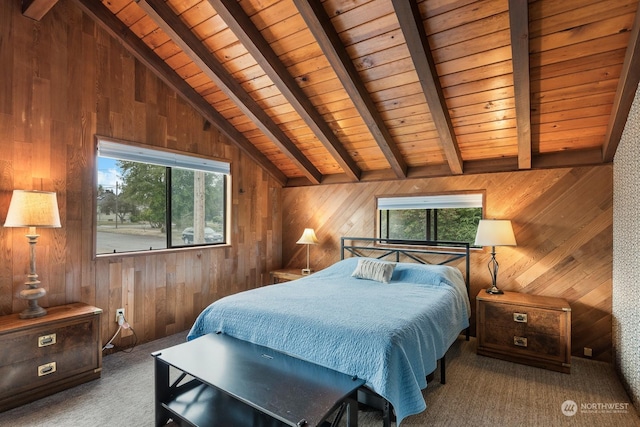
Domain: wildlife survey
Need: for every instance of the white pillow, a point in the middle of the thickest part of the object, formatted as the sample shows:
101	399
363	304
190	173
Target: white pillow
380	271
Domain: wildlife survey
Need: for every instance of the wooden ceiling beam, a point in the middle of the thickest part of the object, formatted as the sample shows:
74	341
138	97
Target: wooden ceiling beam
182	36
235	17
519	29
412	27
568	158
625	93
37	9
107	20
563	159
316	18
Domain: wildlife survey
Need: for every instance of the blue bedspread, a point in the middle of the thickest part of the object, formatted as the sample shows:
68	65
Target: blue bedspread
389	334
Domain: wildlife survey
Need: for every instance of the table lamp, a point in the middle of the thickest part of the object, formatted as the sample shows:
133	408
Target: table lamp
494	232
308	238
33	209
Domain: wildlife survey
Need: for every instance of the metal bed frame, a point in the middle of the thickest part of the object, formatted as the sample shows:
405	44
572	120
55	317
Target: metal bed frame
451	251
447	252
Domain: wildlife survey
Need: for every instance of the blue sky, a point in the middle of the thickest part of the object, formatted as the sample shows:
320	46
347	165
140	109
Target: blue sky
108	173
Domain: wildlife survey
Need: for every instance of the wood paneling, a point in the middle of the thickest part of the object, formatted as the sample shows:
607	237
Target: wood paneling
68	81
365	87
562	219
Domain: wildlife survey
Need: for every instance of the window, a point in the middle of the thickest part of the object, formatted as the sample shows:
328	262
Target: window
151	199
450	217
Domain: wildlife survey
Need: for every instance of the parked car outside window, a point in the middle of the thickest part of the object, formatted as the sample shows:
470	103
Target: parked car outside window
210	236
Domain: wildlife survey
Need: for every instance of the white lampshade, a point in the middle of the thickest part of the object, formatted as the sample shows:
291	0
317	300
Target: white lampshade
29	208
495	232
308	237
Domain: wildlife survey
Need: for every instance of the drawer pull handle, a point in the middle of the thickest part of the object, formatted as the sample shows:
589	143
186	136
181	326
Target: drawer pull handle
520	341
46	340
520	317
46	369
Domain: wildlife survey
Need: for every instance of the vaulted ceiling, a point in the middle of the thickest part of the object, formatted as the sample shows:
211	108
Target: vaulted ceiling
350	90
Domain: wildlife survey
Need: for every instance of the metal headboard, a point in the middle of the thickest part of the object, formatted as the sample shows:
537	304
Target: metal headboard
412	249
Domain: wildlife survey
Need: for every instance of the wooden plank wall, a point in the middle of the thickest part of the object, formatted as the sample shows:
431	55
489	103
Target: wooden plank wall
562	220
62	81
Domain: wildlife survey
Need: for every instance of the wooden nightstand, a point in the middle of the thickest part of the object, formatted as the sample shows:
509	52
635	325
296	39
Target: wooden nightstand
530	329
48	354
285	275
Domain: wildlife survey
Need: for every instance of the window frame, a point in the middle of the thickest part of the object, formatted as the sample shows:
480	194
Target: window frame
481	194
181	160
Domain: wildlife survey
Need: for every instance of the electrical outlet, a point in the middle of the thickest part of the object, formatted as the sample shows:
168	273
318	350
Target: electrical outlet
119	312
588	352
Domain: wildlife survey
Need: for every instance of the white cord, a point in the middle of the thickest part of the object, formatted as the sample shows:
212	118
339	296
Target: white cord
109	345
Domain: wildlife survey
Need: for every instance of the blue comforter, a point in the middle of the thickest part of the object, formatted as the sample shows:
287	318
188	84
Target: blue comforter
389	334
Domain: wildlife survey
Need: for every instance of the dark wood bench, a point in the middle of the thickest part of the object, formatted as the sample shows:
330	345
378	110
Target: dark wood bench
223	381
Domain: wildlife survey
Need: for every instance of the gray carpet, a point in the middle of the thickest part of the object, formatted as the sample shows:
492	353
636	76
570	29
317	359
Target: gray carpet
480	391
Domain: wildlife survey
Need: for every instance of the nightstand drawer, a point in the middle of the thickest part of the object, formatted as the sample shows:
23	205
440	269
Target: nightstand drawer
285	275
534	344
524	319
44	341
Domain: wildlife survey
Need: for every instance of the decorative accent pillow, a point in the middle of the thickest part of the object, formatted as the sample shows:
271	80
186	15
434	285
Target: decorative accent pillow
372	269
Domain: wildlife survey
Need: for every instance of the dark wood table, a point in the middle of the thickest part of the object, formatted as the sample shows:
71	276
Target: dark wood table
223	381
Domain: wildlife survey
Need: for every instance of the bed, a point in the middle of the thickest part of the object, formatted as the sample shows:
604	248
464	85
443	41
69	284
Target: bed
391	333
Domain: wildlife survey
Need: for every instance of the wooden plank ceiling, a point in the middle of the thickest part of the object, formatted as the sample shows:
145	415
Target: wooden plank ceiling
349	90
